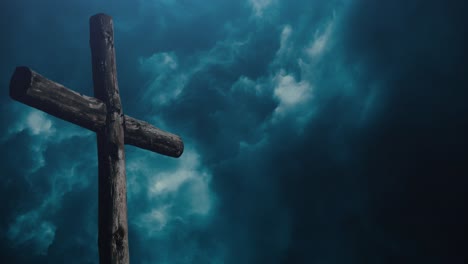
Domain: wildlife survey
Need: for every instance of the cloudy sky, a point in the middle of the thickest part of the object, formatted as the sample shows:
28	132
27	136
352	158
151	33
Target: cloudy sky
315	131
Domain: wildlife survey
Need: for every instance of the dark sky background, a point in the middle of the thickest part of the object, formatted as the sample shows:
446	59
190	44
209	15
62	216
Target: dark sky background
316	131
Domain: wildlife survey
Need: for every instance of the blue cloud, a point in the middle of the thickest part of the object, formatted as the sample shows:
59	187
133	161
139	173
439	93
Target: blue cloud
316	132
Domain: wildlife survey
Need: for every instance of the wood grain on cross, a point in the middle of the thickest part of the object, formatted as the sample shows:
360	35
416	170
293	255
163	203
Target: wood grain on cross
103	115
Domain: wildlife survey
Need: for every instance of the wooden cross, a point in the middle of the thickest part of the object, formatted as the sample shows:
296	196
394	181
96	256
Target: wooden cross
103	115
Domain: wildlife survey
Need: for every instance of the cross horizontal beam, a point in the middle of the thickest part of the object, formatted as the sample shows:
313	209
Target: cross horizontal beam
33	89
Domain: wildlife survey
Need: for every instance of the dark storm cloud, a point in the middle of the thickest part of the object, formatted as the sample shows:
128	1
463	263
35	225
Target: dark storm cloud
319	132
37	181
413	152
365	170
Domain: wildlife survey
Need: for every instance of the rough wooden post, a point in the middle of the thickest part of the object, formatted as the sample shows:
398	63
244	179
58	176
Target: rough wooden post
104	116
113	227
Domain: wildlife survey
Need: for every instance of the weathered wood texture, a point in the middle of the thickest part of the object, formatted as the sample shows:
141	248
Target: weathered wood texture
39	92
141	134
113	225
33	89
104	115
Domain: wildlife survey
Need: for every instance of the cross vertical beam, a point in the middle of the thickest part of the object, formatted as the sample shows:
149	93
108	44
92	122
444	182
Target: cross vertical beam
103	115
112	201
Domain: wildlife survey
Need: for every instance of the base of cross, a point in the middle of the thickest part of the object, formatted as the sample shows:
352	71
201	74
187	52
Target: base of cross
102	114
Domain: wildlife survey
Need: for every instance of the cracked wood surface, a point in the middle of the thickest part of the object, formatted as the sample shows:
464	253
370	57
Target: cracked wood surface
112	183
103	115
35	90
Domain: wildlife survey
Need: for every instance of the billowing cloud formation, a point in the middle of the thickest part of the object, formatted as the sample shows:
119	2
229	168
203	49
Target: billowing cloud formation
316	132
259	6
